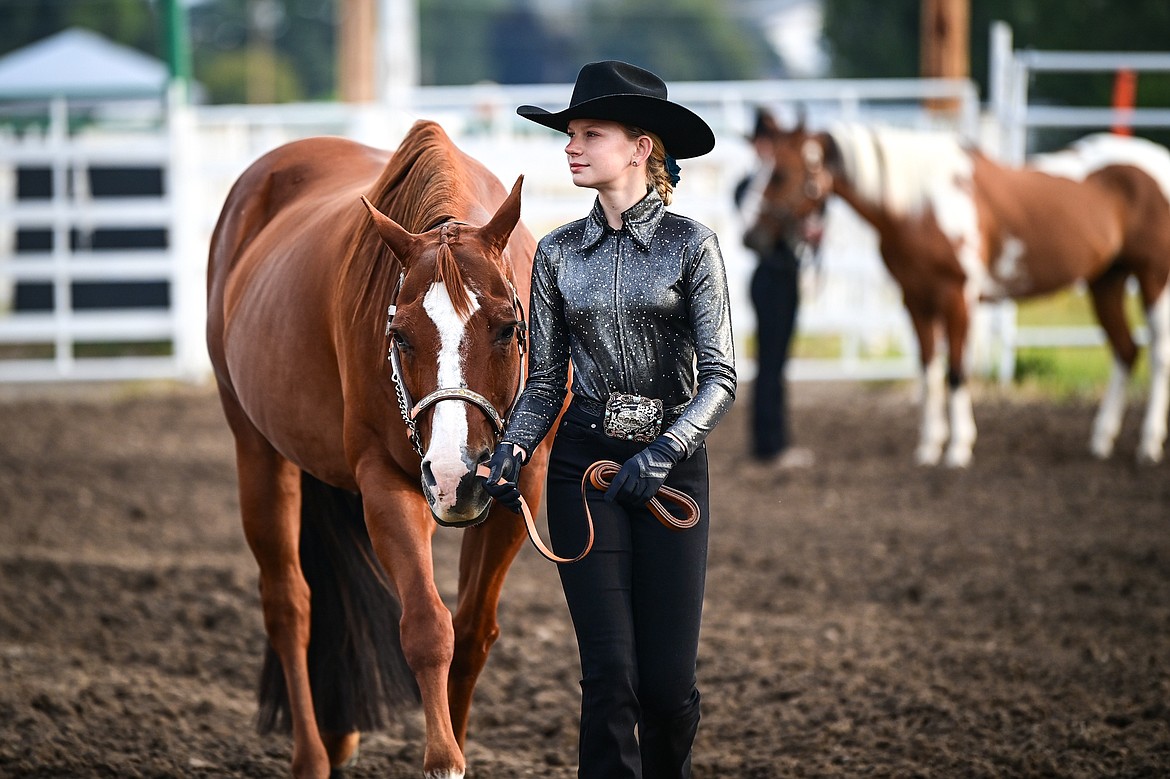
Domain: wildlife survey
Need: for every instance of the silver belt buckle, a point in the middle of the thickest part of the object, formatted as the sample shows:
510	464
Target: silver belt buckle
632	417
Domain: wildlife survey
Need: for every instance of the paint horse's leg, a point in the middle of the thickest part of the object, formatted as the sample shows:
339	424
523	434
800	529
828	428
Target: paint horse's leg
400	528
962	417
270	506
487	552
1153	436
1108	294
933	426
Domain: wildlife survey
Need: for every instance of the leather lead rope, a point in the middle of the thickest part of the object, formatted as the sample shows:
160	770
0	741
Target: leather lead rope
600	475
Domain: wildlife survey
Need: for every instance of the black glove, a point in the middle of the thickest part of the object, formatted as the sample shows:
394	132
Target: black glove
641	475
505	464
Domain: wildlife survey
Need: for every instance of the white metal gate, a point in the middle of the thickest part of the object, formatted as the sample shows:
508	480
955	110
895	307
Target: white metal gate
1014	115
68	307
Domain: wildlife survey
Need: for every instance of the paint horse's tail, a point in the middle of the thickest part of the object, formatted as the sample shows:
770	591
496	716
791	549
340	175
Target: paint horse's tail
357	670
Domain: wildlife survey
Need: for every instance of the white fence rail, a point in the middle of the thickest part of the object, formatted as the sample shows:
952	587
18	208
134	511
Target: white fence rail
203	149
1014	115
46	248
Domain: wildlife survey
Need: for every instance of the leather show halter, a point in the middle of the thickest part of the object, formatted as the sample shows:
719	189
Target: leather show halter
410	410
600	474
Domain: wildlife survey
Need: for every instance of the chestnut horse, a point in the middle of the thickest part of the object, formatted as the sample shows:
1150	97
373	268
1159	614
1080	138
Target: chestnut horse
310	287
955	228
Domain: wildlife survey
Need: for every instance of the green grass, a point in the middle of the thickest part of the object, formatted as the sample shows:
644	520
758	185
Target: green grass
1072	372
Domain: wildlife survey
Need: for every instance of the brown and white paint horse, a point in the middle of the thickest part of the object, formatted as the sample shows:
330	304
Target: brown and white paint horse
955	228
341	473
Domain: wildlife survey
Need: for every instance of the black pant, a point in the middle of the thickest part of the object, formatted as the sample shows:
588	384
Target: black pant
636	602
776	296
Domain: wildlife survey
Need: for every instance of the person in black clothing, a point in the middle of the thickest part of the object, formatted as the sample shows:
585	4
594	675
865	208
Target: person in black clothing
634	297
775	293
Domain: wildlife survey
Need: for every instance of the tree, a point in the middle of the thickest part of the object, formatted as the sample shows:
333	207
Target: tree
130	22
685	40
869	40
464	41
290	43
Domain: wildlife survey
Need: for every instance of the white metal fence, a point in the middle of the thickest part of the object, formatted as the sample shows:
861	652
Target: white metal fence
49	252
851	301
200	150
1014	115
203	149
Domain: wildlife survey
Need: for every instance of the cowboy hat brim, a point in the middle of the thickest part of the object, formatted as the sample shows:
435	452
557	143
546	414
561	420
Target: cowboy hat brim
683	132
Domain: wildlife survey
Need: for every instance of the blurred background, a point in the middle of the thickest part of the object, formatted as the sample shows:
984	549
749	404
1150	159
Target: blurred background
124	122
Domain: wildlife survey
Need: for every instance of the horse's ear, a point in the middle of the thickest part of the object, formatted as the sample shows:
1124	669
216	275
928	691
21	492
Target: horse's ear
497	231
801	115
400	241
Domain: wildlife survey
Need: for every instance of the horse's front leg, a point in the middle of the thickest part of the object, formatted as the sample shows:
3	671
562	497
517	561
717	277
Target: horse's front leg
960	411
400	528
487	552
932	431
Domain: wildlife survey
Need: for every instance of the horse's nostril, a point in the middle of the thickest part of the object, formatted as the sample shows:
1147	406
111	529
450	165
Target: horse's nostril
427	476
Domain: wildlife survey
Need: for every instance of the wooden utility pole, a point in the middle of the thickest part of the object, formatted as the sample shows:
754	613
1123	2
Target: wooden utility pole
945	45
357	34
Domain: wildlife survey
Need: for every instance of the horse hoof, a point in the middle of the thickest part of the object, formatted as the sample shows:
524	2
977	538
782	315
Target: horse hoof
1148	456
1101	449
957	459
927	455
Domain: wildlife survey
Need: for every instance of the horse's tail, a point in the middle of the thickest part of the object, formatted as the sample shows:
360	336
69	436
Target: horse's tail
357	670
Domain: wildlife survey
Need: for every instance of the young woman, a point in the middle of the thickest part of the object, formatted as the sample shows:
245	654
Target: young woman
635	297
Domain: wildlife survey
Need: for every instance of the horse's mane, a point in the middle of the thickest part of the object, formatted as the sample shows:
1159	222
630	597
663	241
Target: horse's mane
899	169
422	186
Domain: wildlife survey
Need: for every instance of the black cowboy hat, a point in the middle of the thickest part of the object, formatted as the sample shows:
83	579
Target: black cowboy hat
621	92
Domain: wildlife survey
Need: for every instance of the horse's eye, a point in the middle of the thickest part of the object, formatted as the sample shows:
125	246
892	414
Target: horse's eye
401	341
506	333
778	178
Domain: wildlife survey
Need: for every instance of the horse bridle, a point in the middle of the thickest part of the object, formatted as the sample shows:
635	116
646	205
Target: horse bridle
410	410
818	180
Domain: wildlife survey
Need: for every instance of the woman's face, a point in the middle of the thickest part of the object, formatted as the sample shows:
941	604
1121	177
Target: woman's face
600	153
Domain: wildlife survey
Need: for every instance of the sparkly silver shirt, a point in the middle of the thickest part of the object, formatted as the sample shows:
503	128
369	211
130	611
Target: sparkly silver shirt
641	310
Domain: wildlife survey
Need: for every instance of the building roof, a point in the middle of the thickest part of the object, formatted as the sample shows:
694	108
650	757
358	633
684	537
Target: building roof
78	63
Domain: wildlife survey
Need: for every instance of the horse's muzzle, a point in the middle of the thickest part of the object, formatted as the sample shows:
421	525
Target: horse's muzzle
471	505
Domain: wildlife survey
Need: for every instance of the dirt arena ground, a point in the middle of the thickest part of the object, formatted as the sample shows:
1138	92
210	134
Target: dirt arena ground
864	617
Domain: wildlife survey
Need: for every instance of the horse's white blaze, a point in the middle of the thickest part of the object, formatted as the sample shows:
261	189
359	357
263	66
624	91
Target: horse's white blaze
449	423
1154	426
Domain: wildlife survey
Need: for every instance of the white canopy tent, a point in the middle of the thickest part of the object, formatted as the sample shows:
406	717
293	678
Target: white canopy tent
80	64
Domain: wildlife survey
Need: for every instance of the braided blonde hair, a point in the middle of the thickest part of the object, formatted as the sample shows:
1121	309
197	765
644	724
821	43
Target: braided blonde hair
656	174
